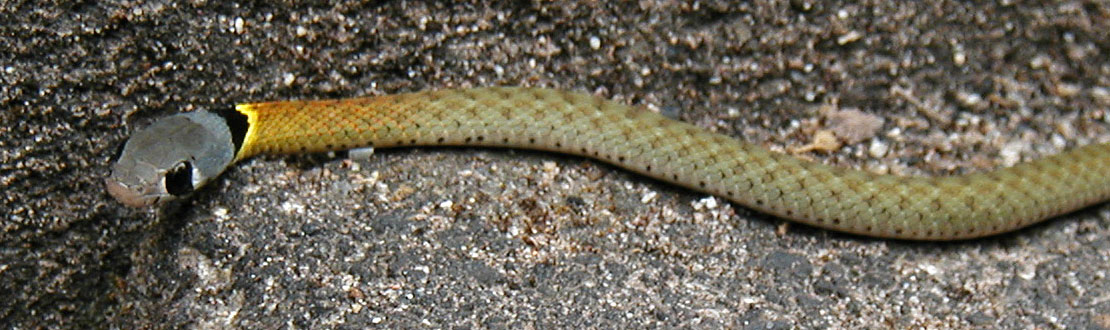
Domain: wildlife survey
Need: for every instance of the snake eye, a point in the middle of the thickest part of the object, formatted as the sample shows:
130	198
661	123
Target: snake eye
179	180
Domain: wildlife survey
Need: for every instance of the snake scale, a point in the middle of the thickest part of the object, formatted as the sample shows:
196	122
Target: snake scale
178	154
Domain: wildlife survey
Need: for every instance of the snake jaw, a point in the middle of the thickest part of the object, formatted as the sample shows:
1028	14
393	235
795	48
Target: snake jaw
136	184
130	195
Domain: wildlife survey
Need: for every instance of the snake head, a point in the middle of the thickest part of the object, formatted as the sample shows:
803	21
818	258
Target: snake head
170	159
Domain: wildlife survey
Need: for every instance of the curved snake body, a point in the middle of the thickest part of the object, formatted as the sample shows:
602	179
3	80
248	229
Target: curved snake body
840	199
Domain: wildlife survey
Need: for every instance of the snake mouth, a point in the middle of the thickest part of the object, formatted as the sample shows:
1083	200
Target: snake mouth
132	197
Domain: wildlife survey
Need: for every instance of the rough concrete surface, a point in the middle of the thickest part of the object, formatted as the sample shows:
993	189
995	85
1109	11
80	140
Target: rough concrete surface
461	238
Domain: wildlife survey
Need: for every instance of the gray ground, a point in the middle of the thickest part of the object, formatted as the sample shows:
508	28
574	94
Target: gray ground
457	238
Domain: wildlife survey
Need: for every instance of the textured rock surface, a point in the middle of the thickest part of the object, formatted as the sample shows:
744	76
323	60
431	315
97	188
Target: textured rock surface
472	237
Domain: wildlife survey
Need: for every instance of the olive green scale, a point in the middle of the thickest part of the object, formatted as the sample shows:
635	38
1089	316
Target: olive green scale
840	199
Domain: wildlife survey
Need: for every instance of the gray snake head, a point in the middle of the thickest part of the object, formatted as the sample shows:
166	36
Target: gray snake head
170	159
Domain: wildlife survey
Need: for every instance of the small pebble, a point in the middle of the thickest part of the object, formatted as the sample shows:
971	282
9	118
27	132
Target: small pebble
878	149
1011	153
849	37
360	153
853	125
1102	95
710	202
1067	90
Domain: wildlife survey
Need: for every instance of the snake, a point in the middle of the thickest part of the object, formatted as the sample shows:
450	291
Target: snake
175	155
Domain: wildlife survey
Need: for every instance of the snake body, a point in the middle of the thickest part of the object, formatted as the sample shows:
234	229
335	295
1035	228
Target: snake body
839	199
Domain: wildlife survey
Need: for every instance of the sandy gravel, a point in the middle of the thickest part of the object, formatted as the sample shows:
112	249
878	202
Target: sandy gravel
461	238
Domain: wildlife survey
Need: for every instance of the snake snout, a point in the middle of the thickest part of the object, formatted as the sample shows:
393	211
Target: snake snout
127	195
